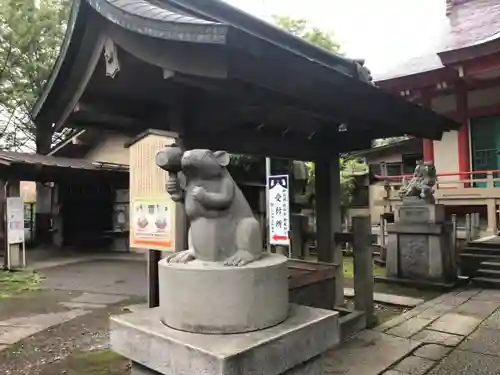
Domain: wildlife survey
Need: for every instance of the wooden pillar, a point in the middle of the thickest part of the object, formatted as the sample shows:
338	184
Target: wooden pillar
43	193
328	219
176	118
463	133
428	149
58	236
427	144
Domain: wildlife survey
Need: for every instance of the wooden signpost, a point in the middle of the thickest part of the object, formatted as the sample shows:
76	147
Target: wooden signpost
156	222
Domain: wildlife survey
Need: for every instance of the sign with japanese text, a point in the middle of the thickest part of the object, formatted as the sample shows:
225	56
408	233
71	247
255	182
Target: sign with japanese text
279	210
151	224
15	220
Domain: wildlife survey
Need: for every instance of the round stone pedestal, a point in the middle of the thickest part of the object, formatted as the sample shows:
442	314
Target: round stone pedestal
206	297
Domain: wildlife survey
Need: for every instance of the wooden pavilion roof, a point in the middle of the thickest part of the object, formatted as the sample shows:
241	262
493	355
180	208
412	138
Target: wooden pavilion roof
221	78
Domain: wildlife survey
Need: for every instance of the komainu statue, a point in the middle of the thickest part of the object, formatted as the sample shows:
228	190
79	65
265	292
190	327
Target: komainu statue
422	183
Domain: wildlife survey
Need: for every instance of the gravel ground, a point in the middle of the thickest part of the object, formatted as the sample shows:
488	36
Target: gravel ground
49	352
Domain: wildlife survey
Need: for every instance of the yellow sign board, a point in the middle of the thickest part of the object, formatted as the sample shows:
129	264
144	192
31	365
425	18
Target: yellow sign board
152	223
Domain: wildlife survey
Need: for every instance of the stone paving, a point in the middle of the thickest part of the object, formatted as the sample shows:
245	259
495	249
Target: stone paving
455	334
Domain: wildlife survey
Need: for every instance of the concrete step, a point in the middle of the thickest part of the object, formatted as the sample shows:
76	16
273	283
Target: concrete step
484	272
486	282
490	245
492	265
482	250
480	256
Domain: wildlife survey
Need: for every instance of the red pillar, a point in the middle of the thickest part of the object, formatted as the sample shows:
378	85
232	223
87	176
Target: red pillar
427	144
428	149
463	134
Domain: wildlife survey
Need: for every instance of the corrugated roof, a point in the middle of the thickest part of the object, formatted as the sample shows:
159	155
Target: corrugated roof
8	158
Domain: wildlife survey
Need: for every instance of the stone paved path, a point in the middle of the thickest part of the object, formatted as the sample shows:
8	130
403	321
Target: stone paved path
455	334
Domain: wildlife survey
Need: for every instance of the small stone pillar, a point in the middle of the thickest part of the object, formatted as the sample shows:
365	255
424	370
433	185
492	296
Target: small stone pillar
363	267
423	245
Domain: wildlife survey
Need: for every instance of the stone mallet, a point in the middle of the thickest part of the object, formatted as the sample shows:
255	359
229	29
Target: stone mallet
169	159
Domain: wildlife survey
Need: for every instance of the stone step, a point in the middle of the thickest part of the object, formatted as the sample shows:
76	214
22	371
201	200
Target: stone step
480	256
491	245
492	265
486	282
481	250
484	272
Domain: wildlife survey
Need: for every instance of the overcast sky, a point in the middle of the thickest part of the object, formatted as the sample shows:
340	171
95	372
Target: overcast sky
384	32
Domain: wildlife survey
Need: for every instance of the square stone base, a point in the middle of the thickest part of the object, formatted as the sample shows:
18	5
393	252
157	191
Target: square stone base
292	347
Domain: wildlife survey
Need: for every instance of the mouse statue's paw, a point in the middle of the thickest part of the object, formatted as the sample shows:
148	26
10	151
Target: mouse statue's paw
241	258
181	257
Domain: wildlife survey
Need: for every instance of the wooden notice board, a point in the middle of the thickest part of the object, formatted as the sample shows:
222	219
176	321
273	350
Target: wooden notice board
152	212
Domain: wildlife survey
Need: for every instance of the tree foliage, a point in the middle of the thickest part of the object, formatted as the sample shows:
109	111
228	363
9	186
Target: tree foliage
313	35
31	33
348	165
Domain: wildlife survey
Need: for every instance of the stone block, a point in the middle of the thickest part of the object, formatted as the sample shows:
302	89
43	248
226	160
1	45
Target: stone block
467	363
409	328
208	297
468	293
414	365
421	251
484	341
478	309
143	338
487	295
99	299
456	324
368	353
493	321
314	366
434	337
435	312
423	213
396	321
432	351
413	255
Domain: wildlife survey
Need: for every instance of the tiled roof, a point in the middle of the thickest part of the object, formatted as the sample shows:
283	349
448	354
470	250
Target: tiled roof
473	22
412	66
469	23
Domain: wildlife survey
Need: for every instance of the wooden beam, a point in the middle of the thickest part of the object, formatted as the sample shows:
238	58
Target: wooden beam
335	94
275	144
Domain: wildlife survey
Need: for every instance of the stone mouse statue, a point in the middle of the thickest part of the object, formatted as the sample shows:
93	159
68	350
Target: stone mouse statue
222	225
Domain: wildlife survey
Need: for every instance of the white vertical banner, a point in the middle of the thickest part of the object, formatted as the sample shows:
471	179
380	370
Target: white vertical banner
278	210
15	220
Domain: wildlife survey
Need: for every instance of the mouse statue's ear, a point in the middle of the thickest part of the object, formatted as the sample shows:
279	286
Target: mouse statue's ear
222	158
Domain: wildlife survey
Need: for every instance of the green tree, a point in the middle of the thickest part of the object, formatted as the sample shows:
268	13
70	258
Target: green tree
31	33
313	35
348	165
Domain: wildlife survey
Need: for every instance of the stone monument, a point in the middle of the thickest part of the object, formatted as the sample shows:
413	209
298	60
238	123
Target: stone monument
420	241
224	306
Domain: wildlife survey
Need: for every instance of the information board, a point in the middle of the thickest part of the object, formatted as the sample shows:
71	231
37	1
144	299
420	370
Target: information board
279	210
151	224
15	220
